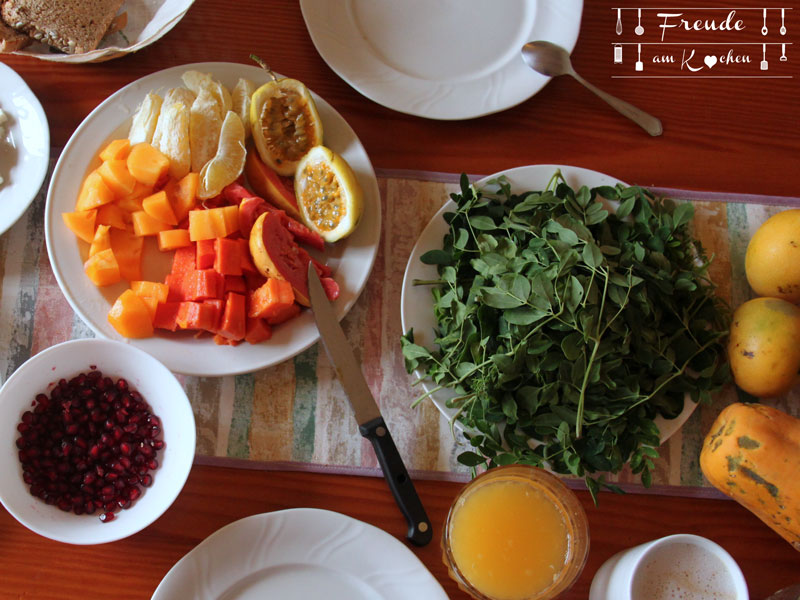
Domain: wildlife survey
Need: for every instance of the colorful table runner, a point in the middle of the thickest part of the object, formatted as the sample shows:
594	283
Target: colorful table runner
295	415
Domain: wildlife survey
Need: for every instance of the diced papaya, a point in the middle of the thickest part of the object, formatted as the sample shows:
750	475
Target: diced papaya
94	192
213	223
101	240
254	281
206	283
133	201
157	206
234	318
81	223
102	268
221	340
130	316
235	283
116	176
170	239
151	303
183	194
258	330
219	306
127	248
147	164
205	254
197	315
281	315
112	215
153	289
247	261
184	260
166	316
144	224
271	300
116	150
227	256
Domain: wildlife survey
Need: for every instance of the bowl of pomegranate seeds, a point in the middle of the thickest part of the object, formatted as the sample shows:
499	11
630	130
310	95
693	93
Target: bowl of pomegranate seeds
98	438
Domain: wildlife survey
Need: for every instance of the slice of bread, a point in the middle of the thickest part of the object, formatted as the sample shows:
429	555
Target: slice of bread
72	26
11	40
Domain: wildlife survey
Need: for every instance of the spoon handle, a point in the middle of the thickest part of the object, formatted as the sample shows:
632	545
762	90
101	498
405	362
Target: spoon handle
644	120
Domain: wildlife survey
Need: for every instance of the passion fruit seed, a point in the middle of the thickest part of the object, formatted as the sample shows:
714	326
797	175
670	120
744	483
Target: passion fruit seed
89	446
322	196
286	124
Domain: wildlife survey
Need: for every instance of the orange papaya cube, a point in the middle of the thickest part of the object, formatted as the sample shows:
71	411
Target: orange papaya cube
197	315
166	316
81	223
101	240
144	224
130	316
233	324
272	300
102	268
127	248
152	305
284	314
219	305
247	261
235	283
116	176
116	150
205	253
257	331
133	201
201	226
221	340
184	260
230	218
183	194
227	258
170	239
205	284
157	206
112	215
147	164
94	192
153	289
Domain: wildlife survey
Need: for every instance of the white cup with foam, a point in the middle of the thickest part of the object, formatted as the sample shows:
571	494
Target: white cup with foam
676	566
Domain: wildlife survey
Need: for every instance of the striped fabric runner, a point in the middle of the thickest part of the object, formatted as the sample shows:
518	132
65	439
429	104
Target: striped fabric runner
295	416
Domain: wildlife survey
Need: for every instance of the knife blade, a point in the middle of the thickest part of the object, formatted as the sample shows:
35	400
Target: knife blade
368	416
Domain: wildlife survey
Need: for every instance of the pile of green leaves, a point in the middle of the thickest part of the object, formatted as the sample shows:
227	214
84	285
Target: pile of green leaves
564	330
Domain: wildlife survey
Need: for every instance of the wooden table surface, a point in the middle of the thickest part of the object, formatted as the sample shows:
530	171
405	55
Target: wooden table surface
723	135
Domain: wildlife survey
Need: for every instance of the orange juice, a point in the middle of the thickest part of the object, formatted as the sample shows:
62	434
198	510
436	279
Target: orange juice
516	533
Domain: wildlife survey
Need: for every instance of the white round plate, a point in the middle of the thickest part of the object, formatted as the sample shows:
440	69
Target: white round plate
351	259
24	147
416	303
298	554
162	391
439	59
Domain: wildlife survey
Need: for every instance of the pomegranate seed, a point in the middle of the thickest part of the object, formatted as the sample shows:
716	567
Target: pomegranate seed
89	445
107	517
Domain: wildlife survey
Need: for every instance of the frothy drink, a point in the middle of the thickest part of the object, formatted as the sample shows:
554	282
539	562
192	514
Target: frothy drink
682	571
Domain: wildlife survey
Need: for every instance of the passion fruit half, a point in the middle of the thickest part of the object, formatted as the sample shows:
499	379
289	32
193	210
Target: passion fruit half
328	194
285	123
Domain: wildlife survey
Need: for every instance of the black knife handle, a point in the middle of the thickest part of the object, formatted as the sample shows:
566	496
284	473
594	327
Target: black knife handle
420	531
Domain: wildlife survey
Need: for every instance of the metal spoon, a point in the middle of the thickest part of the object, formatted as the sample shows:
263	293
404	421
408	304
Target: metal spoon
552	60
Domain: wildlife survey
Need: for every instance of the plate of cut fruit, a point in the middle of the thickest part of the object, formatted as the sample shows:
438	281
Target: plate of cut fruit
183	213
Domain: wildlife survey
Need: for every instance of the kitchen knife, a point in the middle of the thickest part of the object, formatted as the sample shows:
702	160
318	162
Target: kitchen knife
370	422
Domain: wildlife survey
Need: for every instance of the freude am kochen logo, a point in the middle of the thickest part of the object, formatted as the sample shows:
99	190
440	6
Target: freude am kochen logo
703	55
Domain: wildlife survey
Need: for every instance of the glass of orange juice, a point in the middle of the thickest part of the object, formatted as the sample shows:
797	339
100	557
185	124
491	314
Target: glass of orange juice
515	533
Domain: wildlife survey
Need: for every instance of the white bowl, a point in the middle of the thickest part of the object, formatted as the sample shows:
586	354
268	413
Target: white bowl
145	374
